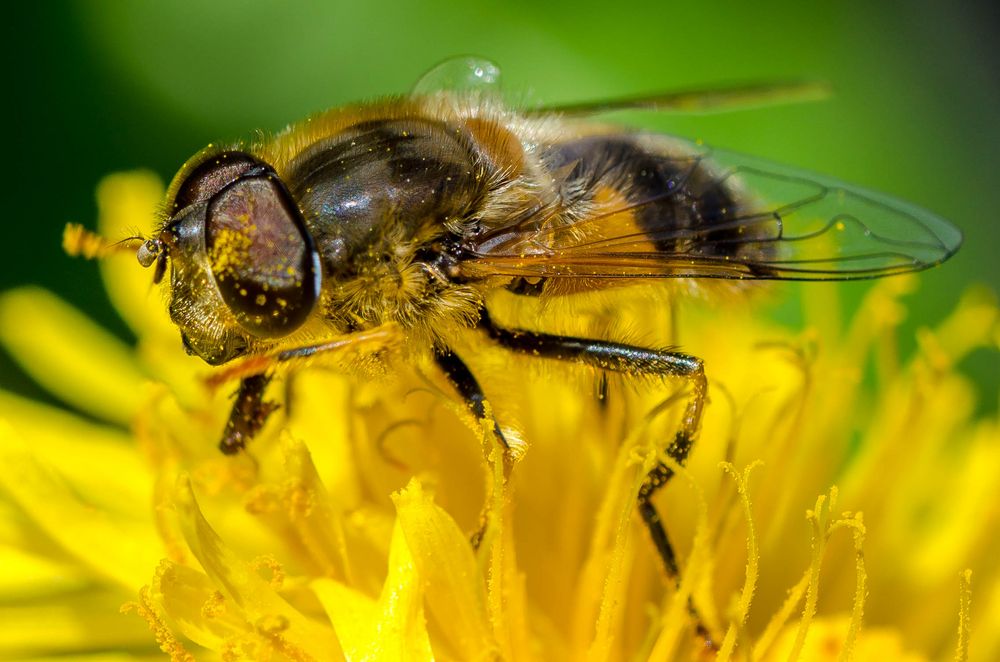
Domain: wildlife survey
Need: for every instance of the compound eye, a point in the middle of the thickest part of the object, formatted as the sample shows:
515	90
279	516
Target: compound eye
261	256
211	176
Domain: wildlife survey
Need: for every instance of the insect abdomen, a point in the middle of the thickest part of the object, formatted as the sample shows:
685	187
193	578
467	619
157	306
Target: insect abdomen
673	199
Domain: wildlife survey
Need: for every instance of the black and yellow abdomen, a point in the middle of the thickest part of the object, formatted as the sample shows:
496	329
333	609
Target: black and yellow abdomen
673	201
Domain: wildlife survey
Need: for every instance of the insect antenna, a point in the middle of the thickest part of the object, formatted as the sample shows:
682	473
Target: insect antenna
78	241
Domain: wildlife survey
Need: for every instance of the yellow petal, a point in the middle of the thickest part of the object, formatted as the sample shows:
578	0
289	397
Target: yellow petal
971	484
514	626
278	622
97	657
322	416
100	462
70	624
126	205
506	602
674	620
753	560
391	629
69	355
121	550
819	517
825	642
317	522
964	609
603	585
26	576
456	595
194	605
355	618
185	375
972	322
331	541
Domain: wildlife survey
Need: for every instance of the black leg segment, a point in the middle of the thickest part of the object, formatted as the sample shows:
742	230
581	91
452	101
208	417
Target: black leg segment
465	383
616	357
629	359
249	414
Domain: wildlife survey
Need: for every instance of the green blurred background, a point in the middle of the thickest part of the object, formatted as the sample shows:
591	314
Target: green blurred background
99	86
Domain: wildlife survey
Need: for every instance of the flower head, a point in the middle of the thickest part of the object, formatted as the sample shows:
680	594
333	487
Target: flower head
832	501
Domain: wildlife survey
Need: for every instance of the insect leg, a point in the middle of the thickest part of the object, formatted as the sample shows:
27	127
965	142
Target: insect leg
619	357
371	341
465	383
248	415
250	412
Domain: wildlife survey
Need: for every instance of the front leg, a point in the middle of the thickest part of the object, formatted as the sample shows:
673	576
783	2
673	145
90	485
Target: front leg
250	411
248	415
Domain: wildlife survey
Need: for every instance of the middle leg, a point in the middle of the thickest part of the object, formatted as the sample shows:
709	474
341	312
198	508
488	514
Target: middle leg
619	357
465	383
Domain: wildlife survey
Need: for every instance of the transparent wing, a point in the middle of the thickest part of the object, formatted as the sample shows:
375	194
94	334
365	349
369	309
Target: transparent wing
477	75
718	98
784	224
466	73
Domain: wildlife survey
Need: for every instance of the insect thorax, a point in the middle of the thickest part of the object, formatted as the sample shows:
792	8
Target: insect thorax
374	198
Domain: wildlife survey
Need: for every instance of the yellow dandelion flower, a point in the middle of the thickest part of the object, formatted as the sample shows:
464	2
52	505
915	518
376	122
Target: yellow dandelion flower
825	513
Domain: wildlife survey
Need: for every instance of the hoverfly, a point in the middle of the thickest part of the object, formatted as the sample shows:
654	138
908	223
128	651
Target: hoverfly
413	211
